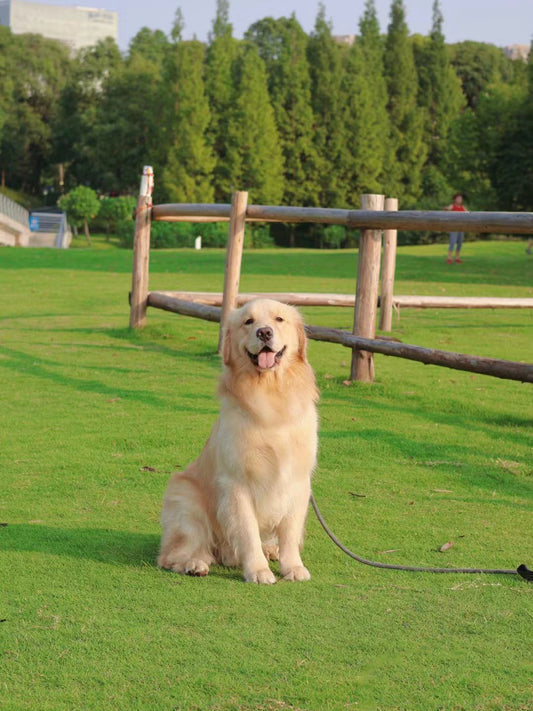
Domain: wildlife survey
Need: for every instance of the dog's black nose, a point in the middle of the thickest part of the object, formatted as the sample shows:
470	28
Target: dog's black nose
264	334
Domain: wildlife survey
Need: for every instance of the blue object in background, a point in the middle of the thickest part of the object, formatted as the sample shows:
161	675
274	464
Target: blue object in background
34	223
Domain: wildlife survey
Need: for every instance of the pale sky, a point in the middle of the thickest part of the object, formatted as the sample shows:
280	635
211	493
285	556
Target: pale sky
501	22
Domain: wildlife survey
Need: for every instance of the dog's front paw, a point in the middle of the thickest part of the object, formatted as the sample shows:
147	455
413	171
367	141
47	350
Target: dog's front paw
197	567
298	573
264	576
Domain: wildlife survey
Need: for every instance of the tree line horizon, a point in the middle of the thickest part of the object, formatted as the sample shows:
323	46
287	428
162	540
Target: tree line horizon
294	118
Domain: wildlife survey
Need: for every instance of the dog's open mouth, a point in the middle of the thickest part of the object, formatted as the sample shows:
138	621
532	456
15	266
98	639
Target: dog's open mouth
266	358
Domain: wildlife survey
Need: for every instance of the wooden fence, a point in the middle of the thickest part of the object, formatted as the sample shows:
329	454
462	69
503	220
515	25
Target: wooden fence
371	220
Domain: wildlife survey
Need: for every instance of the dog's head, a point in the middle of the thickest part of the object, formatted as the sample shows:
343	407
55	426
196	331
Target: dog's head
264	336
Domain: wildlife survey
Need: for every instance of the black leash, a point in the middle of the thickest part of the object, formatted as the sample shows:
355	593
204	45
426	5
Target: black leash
523	571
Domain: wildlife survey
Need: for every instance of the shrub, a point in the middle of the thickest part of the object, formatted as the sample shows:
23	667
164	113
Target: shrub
81	205
114	210
214	234
258	237
163	235
167	235
333	236
125	232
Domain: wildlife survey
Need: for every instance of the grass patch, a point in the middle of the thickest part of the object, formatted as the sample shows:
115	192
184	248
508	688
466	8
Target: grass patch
94	418
99	241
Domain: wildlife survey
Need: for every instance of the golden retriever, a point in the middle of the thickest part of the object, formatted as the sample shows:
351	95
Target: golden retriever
244	501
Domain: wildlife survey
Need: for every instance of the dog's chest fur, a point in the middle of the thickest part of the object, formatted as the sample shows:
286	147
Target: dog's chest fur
274	462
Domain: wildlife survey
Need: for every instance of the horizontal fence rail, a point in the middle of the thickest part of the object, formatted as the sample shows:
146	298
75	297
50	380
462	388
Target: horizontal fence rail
214	298
439	221
506	369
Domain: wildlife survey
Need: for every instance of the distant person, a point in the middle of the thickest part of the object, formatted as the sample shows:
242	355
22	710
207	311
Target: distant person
456	238
529	246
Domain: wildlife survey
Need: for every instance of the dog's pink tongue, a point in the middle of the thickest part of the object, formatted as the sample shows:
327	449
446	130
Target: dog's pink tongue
266	359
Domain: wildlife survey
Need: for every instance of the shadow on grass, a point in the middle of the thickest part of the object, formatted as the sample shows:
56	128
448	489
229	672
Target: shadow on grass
102	545
139	338
141	341
30	364
99	544
54	372
501	426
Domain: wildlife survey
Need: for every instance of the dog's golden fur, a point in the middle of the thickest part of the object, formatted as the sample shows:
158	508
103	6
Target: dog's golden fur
244	500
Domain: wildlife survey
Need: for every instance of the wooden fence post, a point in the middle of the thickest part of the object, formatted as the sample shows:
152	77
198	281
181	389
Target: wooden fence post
232	273
141	250
366	295
388	268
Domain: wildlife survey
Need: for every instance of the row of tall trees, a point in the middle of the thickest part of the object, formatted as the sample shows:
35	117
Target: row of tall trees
294	118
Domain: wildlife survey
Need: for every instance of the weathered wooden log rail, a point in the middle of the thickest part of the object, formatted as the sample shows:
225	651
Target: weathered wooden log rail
371	220
439	221
214	298
506	369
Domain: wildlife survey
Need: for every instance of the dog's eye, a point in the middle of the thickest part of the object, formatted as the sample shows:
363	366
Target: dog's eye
278	318
248	322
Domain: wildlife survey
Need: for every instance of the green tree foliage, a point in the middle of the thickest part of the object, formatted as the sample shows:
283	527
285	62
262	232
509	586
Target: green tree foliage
253	143
126	134
511	167
219	86
440	93
7	83
114	210
37	69
491	154
282	46
76	122
479	65
465	162
221	24
296	119
325	63
190	160
406	117
150	45
178	26
81	205
365	111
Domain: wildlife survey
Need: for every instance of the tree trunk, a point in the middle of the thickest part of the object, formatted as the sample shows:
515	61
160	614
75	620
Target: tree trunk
292	238
87	235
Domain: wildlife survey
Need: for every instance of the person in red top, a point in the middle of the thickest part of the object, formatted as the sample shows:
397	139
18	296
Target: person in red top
456	238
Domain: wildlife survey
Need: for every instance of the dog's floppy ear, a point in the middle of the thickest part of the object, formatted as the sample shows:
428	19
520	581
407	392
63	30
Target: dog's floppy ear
226	346
302	340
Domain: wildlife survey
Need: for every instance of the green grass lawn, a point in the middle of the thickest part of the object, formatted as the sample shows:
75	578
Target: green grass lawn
94	418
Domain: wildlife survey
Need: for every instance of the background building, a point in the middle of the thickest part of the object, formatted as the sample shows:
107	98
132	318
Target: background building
345	39
75	26
517	51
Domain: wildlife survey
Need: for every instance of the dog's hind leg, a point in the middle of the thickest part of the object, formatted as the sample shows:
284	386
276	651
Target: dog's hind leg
271	548
186	543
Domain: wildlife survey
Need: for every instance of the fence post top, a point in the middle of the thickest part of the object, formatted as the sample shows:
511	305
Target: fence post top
372	201
147	182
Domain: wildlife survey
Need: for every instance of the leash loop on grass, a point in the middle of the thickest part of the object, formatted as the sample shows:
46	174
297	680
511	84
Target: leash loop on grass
522	570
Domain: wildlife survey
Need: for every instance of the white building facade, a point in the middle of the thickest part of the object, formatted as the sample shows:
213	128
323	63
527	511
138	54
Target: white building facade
75	26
